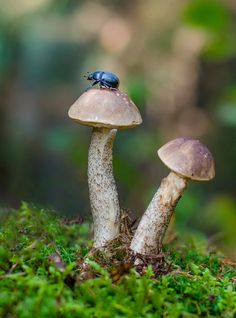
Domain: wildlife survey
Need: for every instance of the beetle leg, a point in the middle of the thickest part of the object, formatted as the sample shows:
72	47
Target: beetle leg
91	85
94	83
104	85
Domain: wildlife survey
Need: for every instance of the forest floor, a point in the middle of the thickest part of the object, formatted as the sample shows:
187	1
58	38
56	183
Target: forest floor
43	273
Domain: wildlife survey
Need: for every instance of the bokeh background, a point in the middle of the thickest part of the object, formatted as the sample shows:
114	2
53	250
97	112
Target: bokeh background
176	60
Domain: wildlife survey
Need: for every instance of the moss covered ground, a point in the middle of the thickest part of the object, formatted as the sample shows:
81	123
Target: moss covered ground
41	276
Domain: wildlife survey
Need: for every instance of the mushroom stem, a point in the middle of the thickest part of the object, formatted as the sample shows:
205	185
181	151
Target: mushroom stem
153	225
102	187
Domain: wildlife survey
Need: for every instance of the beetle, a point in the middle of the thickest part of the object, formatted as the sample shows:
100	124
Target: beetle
105	79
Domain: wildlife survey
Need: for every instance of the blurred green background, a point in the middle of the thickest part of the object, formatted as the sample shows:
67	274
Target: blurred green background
176	60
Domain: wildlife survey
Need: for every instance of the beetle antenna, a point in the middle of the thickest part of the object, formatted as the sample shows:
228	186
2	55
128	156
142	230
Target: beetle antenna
86	75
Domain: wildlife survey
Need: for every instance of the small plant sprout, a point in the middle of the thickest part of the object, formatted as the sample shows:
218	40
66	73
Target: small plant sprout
188	159
106	111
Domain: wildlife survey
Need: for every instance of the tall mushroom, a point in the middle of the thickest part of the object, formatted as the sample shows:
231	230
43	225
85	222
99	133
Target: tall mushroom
188	159
106	110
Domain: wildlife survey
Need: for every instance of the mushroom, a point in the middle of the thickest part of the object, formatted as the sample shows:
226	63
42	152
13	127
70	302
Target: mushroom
188	159
106	110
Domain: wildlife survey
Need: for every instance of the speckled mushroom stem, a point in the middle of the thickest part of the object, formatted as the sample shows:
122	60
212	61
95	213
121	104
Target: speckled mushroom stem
102	187
153	225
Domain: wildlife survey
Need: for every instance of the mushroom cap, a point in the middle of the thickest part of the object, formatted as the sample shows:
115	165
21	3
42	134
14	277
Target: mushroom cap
189	158
109	108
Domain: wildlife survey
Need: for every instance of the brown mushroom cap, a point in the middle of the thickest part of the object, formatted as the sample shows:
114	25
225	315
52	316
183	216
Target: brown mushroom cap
109	108
189	158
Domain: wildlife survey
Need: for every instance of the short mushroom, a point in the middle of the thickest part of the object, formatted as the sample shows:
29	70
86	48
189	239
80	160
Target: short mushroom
106	110
188	159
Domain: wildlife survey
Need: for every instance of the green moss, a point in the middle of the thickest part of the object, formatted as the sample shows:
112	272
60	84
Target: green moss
34	283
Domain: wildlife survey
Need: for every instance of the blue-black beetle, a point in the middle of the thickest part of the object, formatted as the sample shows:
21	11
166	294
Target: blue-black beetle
105	79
